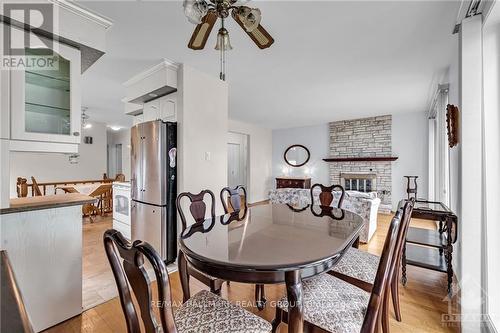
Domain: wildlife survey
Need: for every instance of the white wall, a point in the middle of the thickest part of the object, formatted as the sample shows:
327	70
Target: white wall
491	76
47	167
202	130
119	137
261	156
316	139
410	144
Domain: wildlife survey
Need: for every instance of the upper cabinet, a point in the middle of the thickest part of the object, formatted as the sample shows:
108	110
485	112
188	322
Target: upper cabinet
152	94
42	103
46	102
163	108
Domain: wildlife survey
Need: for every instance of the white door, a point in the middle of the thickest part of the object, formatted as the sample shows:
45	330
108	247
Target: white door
237	150
234	165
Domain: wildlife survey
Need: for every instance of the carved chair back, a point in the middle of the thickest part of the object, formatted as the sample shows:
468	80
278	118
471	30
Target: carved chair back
236	196
406	208
326	195
35	188
127	264
383	277
197	206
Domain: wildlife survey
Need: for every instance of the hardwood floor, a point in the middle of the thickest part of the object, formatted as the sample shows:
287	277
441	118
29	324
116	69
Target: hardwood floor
98	282
423	300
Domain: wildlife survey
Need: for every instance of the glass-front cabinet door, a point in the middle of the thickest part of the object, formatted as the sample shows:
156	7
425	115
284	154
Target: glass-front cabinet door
45	95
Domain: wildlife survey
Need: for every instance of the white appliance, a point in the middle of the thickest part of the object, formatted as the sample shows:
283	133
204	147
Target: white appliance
121	208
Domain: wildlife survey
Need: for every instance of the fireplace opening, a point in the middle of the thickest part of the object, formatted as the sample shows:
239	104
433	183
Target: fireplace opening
361	182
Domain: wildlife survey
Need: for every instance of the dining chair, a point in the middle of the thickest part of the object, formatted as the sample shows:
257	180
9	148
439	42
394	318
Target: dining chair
234	198
198	210
120	177
359	268
102	193
67	189
333	305
204	312
35	189
326	195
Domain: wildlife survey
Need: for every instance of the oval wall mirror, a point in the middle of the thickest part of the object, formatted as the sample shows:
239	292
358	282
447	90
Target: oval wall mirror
296	155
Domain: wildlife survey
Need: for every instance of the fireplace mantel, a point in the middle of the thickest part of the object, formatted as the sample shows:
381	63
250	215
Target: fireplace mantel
362	159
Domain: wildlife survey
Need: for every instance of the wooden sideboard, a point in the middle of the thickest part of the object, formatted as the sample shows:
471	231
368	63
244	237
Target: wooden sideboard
293	182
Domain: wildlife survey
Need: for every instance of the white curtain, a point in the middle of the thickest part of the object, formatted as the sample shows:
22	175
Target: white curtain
439	160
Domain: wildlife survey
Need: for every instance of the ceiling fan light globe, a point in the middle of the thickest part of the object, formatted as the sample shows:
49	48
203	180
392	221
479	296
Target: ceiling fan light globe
250	17
195	10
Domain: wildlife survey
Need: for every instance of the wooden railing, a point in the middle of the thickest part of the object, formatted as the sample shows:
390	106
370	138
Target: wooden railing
104	205
48	188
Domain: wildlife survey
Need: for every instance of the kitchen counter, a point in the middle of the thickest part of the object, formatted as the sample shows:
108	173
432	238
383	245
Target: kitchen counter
43	237
45	202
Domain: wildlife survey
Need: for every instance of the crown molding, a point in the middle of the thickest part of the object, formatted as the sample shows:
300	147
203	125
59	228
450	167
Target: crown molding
83	12
165	64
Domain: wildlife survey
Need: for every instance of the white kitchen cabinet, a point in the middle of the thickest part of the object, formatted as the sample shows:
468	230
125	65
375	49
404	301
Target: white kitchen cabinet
151	110
138	119
167	109
163	108
46	103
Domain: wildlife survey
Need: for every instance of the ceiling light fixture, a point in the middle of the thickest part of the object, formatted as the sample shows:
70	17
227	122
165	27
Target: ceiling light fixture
115	128
205	14
87	126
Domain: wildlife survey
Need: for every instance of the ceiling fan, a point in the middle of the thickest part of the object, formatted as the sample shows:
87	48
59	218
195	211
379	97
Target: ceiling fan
205	14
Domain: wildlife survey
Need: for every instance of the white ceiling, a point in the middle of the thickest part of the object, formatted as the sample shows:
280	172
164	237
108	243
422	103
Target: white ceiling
332	60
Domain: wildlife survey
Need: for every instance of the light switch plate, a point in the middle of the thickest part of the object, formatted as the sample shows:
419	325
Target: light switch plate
208	156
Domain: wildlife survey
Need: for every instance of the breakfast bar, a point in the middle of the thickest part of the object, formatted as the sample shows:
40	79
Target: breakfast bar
43	237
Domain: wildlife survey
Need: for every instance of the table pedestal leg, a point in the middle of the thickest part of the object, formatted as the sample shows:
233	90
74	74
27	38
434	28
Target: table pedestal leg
295	302
184	276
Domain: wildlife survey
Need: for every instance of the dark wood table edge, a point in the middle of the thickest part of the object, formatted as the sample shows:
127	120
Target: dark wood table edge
291	277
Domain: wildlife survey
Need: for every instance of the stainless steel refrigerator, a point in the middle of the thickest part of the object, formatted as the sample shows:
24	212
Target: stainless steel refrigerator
153	186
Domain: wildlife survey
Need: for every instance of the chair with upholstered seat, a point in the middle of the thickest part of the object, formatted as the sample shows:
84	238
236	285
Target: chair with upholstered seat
236	198
204	312
360	268
326	195
198	209
333	305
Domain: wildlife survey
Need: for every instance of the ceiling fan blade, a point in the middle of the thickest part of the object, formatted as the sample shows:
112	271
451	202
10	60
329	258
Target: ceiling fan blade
260	36
202	31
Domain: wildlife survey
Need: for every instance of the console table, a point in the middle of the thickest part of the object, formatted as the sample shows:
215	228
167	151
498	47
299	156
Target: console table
431	249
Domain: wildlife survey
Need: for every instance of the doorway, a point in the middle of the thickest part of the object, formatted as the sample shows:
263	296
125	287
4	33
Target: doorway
237	160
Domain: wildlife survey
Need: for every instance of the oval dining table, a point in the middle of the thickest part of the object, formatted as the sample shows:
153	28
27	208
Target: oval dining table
269	244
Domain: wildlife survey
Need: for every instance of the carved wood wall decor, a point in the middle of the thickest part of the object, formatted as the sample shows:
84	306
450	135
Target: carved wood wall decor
452	124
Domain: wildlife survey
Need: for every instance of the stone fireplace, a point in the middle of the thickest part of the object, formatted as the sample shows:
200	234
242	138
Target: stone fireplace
367	137
362	182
